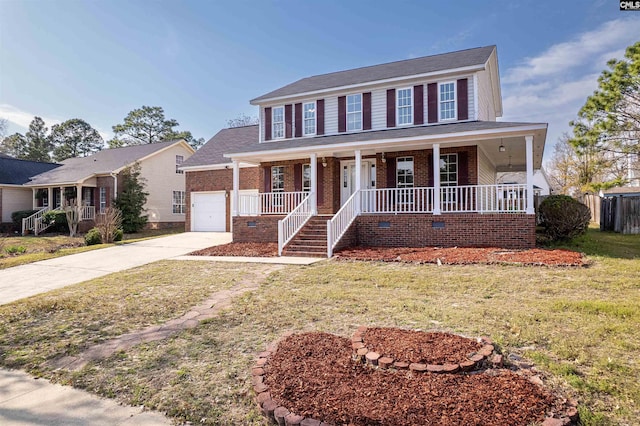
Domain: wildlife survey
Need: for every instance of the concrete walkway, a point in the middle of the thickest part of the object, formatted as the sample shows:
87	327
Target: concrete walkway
39	277
28	401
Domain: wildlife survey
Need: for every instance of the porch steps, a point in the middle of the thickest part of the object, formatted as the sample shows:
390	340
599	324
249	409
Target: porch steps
311	241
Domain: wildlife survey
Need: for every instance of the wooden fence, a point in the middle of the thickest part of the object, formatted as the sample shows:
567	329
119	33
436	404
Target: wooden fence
592	201
620	214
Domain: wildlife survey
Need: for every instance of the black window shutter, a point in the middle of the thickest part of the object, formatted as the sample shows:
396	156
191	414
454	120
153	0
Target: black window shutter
391	108
430	168
463	99
391	173
432	102
297	177
320	117
287	121
366	111
320	196
418	104
463	168
342	114
298	119
267	124
267	179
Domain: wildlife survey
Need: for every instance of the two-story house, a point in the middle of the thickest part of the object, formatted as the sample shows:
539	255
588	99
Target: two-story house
399	154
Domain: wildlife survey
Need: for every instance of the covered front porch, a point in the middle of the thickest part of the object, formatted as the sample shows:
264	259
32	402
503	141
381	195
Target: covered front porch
388	193
55	198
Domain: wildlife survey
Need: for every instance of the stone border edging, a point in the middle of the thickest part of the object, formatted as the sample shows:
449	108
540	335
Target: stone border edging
280	415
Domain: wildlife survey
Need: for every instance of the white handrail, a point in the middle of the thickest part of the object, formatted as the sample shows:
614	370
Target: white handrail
30	223
340	222
289	226
269	203
88	213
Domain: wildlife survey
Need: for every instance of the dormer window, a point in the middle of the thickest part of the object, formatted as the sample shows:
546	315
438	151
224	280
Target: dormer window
447	101
404	105
309	116
354	112
277	126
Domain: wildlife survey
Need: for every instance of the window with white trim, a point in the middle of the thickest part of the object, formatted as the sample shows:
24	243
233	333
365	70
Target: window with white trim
179	161
277	122
449	170
306	178
447	102
404	172
354	112
309	118
178	202
404	104
277	184
103	199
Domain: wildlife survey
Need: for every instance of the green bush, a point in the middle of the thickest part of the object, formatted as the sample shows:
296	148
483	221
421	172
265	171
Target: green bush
17	217
563	217
93	237
118	235
57	220
15	249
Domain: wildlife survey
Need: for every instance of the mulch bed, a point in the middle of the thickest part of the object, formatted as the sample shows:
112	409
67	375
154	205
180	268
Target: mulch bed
464	255
313	375
240	249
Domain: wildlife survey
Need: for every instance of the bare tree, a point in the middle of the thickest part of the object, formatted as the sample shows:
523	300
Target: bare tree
242	120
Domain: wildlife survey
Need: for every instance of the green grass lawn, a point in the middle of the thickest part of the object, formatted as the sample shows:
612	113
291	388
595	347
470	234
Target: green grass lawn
580	326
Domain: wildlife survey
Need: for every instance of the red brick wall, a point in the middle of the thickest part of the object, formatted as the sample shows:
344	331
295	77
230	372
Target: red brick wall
264	231
516	231
217	180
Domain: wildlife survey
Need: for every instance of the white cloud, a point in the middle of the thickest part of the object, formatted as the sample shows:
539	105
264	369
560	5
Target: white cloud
552	86
22	118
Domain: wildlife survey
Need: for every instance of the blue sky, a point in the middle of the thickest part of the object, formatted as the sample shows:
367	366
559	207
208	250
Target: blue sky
202	61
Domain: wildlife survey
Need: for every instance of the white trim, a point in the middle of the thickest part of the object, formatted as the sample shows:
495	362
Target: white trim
436	179
224	166
346	101
184	201
412	121
315	119
455	101
191	209
141	159
329	90
458	136
475	96
273	122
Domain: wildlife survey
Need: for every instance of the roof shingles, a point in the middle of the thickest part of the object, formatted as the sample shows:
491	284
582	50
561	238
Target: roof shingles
226	140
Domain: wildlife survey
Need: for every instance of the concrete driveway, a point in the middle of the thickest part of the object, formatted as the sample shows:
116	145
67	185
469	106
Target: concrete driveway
39	277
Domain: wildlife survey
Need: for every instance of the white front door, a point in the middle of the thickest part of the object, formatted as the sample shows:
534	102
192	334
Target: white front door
348	178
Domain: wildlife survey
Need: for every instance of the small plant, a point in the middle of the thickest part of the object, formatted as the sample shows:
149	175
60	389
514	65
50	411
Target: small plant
57	219
118	235
17	217
93	237
15	250
563	217
109	225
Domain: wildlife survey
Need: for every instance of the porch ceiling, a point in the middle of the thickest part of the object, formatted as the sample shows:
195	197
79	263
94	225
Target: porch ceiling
489	136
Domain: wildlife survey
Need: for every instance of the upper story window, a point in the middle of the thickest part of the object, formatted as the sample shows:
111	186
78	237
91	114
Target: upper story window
277	125
449	170
309	116
354	112
306	177
404	103
447	101
179	161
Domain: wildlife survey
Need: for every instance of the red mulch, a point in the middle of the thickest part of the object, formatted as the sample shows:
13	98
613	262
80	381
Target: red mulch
419	347
313	375
464	255
240	249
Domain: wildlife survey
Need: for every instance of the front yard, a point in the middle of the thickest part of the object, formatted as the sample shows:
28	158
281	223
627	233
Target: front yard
581	326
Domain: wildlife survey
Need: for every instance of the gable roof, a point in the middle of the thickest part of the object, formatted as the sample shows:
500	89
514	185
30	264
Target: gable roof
226	140
17	172
102	162
409	67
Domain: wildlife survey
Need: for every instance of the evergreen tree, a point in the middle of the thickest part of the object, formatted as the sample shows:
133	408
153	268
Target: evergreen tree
38	144
74	138
132	199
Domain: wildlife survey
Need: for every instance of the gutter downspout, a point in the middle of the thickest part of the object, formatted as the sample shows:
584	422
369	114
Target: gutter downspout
115	184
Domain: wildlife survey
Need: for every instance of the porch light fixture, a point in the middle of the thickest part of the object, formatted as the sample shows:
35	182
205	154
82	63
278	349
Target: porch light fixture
384	160
324	162
501	148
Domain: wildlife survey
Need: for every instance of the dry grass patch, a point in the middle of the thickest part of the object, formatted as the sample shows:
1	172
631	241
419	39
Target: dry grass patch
69	320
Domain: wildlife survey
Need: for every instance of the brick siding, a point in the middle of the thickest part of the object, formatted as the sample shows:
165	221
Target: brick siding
217	180
264	229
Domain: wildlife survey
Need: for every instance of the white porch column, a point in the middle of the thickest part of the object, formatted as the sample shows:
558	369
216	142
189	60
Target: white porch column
358	179
33	199
62	198
436	179
78	195
529	150
314	183
236	189
49	196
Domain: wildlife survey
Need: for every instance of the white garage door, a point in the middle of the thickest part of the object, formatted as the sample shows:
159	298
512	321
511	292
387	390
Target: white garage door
208	212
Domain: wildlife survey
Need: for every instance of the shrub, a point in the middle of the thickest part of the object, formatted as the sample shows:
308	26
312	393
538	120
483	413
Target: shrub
93	237
563	217
57	219
17	217
15	249
109	223
118	235
132	199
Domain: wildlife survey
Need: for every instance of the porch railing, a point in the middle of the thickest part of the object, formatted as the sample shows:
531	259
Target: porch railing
340	222
269	203
33	222
293	222
453	199
87	212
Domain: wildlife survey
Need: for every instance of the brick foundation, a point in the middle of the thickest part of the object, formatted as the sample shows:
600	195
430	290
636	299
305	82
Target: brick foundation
255	229
164	225
515	231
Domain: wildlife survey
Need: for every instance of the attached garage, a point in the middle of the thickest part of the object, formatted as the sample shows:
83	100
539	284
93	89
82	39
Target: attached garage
208	211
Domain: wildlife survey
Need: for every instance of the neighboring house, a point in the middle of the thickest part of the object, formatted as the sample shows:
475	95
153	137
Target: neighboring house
541	184
209	180
14	196
94	181
621	191
349	158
